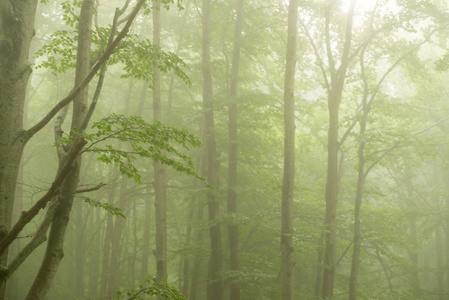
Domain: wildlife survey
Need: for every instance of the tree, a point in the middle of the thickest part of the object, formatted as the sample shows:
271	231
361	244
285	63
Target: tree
288	265
214	284
55	245
16	33
80	121
233	230
160	181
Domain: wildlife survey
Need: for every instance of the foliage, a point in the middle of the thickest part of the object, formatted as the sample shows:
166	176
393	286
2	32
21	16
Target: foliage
145	140
113	210
138	56
153	288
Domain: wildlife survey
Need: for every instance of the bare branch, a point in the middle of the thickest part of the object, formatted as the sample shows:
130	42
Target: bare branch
95	188
317	54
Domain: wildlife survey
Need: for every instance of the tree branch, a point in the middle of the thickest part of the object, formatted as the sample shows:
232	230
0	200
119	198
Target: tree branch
27	216
317	54
28	134
95	188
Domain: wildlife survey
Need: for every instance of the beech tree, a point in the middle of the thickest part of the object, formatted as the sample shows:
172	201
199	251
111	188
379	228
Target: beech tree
288	179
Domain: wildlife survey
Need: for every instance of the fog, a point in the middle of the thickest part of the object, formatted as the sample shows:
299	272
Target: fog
224	149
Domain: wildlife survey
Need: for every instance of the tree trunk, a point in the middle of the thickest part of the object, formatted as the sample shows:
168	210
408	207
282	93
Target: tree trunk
335	90
16	32
357	216
109	232
160	181
288	266
196	272
54	252
413	254
439	267
214	283
119	225
80	251
446	180
319	272
233	230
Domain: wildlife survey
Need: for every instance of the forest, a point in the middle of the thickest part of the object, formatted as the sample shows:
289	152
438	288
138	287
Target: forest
224	149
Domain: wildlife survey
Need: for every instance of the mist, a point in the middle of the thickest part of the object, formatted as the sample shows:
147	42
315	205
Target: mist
224	149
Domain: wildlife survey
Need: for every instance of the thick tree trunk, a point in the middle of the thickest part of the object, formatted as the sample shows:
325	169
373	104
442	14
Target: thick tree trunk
233	230
287	265
79	252
214	284
160	181
16	32
54	252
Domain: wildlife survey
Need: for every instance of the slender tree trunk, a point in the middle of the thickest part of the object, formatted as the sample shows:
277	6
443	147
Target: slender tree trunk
447	236
109	232
357	239
196	272
331	201
185	262
335	90
319	272
16	32
413	254
439	267
119	225
357	216
288	266
54	252
233	230
214	284
160	181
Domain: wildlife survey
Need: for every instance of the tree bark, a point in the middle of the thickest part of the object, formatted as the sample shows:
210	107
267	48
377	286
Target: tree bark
287	265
